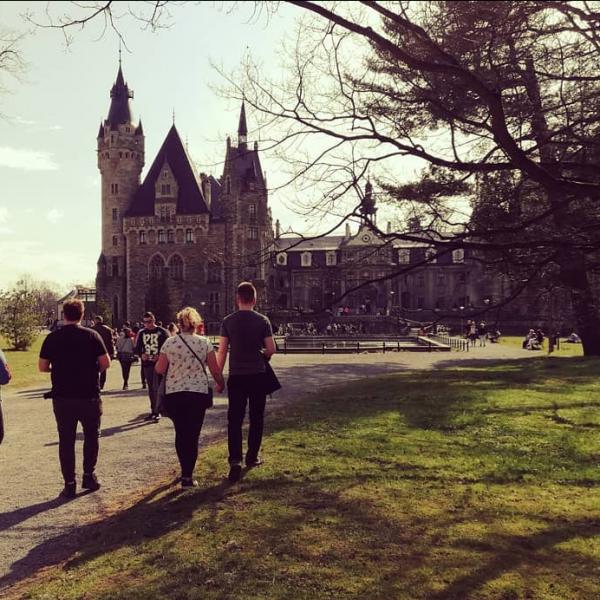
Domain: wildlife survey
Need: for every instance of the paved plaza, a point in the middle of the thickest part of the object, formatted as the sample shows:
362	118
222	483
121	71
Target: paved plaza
38	529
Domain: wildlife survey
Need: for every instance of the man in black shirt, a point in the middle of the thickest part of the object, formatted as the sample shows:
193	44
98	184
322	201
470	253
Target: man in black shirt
74	356
250	337
106	334
149	342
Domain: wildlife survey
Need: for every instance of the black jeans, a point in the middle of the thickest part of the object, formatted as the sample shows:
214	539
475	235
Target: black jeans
243	389
153	381
125	369
68	412
102	379
186	411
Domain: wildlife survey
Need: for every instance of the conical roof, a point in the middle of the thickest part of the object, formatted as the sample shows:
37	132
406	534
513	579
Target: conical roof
119	111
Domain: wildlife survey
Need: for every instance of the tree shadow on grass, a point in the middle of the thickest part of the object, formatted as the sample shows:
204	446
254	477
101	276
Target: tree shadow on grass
156	515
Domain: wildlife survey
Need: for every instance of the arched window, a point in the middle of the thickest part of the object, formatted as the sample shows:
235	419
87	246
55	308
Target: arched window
115	240
156	267
142	237
189	236
176	267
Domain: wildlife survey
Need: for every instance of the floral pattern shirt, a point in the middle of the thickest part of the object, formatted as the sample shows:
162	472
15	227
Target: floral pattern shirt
185	373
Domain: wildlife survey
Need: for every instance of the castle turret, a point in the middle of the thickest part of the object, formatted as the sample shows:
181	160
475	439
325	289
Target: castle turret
249	230
120	161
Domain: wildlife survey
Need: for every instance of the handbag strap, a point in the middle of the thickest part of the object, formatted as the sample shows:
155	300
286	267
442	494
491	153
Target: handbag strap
197	357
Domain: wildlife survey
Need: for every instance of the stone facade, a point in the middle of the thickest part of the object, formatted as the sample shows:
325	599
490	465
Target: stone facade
178	237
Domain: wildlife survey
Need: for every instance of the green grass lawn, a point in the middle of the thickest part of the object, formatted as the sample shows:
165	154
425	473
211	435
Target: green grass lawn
24	365
470	483
565	348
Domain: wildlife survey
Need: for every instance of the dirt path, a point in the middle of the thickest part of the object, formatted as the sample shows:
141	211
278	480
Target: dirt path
136	457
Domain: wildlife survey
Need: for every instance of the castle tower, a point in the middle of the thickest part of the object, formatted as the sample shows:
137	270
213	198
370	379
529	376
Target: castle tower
120	161
248	227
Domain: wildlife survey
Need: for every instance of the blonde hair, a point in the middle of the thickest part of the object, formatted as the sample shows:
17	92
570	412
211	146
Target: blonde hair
189	318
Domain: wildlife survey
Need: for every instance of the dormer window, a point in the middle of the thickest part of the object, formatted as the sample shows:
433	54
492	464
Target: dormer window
306	259
404	256
458	256
331	258
165	189
431	255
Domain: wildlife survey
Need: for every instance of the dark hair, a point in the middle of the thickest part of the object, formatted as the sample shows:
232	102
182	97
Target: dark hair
148	315
246	292
73	309
99	319
126	330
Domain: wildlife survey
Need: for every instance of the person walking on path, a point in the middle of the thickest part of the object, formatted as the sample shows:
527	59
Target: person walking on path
125	354
74	355
249	337
5	377
149	343
106	333
183	360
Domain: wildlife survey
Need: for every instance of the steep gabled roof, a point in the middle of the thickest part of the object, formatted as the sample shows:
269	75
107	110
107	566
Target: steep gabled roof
190	200
296	244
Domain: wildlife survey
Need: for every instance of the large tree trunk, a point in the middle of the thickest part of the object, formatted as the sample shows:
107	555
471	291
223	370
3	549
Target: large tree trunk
573	275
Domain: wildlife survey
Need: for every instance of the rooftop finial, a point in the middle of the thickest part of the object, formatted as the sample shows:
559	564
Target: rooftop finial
119	53
173	115
242	127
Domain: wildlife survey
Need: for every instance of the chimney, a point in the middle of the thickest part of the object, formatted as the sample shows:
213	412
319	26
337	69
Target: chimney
389	227
348	233
277	229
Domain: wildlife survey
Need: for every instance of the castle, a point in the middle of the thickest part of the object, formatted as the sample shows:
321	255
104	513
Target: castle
178	237
185	238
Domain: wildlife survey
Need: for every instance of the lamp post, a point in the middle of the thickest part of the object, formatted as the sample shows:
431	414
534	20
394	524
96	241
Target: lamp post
391	306
462	326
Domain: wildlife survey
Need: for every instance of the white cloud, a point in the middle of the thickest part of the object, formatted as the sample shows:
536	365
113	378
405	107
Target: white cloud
27	160
54	215
22	121
55	127
3	214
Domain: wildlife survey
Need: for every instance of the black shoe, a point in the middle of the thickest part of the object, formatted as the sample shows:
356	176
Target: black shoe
90	482
149	417
125	387
155	418
235	473
143	386
253	462
69	491
188	482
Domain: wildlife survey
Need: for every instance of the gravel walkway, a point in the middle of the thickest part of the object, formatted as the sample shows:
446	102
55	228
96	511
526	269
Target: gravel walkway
137	457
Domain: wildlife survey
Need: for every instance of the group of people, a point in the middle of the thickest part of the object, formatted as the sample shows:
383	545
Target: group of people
534	340
78	357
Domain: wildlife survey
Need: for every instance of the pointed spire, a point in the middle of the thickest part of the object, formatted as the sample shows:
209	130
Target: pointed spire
367	205
140	130
242	128
119	111
100	131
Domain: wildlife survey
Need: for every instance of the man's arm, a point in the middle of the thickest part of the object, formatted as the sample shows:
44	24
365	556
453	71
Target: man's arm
270	348
44	365
222	353
103	362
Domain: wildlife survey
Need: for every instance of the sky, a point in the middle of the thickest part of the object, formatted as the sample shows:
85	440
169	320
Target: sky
50	184
50	192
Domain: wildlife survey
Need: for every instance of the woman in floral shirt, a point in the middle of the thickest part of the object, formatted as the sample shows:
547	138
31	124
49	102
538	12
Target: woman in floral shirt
185	358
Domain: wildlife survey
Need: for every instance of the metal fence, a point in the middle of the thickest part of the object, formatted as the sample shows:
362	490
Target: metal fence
455	343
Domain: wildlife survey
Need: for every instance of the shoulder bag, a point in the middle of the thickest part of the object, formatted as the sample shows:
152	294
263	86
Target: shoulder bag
209	395
270	382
